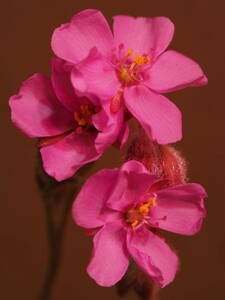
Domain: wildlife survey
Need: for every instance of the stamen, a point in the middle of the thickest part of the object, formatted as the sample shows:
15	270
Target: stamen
80	121
141	60
137	215
129	71
152	201
83	117
144	209
135	223
136	58
155	222
129	52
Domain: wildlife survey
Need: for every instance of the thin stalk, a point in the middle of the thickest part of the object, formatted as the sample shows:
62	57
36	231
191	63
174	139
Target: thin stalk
57	199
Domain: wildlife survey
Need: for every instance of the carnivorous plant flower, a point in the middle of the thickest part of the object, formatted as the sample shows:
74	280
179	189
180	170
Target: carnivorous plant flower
73	130
129	67
126	212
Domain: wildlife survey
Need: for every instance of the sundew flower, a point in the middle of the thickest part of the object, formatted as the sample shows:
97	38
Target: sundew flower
126	211
129	67
73	130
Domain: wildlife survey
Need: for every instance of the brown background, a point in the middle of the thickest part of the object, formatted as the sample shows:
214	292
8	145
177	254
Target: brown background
25	49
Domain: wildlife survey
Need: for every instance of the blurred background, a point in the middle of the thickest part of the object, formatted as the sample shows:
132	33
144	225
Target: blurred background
26	31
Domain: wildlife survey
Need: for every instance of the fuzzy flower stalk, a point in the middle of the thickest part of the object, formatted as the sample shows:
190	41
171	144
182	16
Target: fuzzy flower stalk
163	160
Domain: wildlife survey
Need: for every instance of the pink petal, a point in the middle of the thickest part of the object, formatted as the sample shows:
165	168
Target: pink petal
160	118
183	207
132	183
145	35
109	126
109	260
36	111
95	75
153	255
173	71
63	159
90	202
87	29
61	73
123	136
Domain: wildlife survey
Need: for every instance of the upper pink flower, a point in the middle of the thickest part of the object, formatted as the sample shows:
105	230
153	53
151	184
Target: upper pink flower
127	209
129	67
74	130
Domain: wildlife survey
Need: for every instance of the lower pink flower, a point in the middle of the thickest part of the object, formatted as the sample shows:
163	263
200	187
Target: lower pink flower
126	205
73	130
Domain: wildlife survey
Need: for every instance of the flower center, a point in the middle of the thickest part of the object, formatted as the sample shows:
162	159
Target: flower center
137	214
83	117
129	70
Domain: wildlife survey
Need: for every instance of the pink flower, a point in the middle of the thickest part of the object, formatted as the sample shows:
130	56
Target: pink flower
126	205
129	67
74	130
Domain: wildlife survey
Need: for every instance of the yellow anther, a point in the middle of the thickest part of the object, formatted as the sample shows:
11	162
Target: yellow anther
135	223
136	215
129	52
136	58
144	209
152	201
140	60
